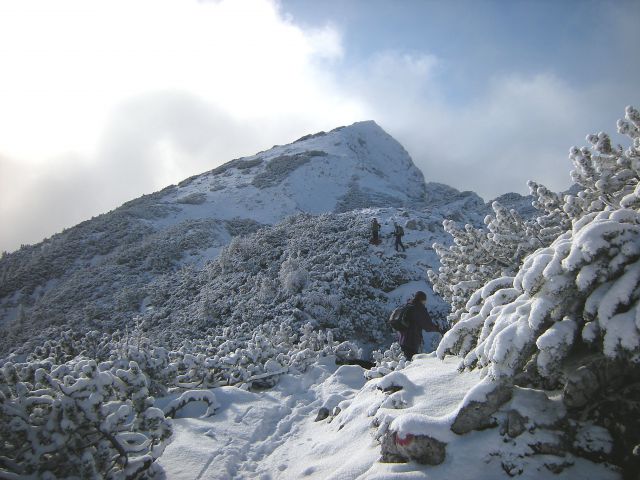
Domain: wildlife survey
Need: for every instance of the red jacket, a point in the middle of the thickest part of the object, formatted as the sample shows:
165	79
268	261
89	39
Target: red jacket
419	320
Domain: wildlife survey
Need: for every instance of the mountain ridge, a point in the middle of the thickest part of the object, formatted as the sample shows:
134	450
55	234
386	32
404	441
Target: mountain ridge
99	272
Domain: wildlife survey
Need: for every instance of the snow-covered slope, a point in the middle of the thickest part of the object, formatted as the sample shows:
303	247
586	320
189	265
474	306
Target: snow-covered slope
149	256
275	435
105	271
350	167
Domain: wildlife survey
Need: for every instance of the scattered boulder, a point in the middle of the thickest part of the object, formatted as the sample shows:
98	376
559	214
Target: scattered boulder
323	413
511	468
411	224
476	415
595	375
516	423
394	382
420	448
558	467
593	442
557	449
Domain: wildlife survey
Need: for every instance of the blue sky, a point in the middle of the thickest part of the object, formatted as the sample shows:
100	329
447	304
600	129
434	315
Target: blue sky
488	37
125	97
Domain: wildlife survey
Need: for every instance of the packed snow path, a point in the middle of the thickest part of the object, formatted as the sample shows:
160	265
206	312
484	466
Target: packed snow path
272	434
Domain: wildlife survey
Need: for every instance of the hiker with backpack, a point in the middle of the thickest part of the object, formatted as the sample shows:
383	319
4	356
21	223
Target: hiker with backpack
375	231
409	320
398	232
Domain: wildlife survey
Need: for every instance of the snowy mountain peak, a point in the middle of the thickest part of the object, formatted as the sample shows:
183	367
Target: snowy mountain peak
356	166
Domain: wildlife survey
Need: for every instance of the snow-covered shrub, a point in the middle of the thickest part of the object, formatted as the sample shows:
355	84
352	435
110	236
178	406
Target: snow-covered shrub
97	276
608	175
239	163
190	396
386	362
582	288
293	277
607	178
238	355
552	219
78	420
585	285
479	255
307	269
195	198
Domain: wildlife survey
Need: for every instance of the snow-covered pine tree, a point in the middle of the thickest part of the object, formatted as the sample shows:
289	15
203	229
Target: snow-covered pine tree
569	318
608	175
478	255
585	285
607	178
552	220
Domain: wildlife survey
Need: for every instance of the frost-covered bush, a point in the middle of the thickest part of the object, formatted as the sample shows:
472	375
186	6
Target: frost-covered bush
78	419
106	289
552	221
386	362
293	277
307	269
584	287
195	198
567	318
239	163
238	355
608	175
479	255
62	414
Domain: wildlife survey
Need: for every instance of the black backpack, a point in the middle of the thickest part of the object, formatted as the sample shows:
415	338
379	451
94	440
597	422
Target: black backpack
400	231
399	319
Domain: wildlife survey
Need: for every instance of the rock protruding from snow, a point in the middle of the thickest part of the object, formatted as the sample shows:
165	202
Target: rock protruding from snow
479	405
421	448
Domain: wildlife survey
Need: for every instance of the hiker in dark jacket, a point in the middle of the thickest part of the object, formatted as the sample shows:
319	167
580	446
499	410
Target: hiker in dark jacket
398	232
410	340
375	231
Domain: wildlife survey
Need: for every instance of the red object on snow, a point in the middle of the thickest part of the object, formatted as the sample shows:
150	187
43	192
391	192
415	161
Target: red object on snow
403	442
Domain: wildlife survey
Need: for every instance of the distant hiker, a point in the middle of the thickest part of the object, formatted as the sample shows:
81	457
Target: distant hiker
375	232
398	232
412	318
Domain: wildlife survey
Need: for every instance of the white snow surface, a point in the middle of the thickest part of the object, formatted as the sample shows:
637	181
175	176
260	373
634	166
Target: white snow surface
272	434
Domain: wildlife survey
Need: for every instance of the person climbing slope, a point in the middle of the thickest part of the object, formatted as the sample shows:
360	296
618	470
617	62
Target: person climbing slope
415	319
398	232
375	231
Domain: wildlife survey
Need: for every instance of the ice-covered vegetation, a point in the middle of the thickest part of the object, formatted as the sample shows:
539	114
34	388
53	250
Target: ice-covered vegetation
79	419
584	286
565	316
82	405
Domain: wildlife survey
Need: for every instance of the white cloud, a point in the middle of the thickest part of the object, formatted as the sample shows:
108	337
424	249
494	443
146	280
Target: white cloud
126	97
519	128
104	101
